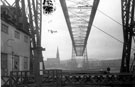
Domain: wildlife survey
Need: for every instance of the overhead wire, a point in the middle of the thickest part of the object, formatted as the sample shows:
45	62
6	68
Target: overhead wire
103	30
109	17
100	29
108	34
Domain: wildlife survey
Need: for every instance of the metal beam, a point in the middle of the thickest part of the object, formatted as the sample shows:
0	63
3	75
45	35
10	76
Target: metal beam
24	15
128	8
66	15
33	42
17	10
5	2
93	12
78	22
35	15
80	7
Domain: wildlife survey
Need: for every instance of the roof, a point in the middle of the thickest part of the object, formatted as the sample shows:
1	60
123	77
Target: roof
10	18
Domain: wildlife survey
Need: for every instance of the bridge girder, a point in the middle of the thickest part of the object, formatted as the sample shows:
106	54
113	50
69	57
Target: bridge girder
75	14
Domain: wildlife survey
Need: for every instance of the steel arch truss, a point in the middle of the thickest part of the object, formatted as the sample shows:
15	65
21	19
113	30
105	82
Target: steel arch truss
79	16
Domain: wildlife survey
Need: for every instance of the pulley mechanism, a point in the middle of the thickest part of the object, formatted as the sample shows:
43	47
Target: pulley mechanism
48	6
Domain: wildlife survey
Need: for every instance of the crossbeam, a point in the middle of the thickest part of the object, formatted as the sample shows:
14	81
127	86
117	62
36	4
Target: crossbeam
65	11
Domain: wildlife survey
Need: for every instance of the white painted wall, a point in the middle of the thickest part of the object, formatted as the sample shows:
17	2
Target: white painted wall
9	43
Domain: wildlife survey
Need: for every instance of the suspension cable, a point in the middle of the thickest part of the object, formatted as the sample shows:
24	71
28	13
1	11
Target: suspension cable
102	30
99	29
109	17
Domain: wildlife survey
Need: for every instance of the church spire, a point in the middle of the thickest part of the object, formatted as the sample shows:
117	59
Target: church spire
57	55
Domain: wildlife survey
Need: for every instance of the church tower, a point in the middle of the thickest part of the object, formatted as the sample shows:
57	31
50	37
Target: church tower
57	55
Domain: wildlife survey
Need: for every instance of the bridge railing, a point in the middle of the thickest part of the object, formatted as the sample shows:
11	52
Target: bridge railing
77	78
25	78
52	77
69	78
21	78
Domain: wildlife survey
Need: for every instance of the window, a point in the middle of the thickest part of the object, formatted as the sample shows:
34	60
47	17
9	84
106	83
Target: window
17	34
25	38
4	64
25	63
4	28
16	63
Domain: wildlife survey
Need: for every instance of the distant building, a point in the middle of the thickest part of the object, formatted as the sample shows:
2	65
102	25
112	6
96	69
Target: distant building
15	44
53	62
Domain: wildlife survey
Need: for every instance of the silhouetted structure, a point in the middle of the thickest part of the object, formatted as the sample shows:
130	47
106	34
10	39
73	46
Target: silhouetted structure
53	62
83	14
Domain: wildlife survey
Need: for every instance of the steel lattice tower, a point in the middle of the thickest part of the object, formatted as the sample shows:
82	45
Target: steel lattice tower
128	21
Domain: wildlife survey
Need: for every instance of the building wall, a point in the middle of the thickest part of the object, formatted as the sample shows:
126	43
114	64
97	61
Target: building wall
13	47
52	63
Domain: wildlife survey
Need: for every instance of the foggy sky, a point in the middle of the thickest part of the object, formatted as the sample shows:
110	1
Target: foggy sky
99	46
